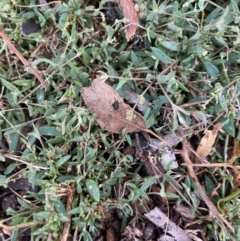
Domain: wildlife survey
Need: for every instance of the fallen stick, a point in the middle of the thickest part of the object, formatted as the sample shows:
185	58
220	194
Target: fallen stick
67	225
162	221
213	212
20	57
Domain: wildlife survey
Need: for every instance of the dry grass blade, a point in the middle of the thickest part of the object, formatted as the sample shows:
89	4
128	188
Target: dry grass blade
23	60
130	13
67	225
236	151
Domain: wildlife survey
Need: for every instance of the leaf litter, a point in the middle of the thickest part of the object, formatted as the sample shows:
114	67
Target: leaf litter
112	113
102	100
129	12
208	140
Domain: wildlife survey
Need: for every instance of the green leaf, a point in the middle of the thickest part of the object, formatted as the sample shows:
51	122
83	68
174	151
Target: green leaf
28	83
134	59
149	182
76	210
161	56
13	141
12	98
93	189
10	168
23	203
223	103
211	69
229	126
171	195
66	178
9	86
2	158
48	131
201	116
209	185
60	208
78	138
170	45
41	215
212	16
14	235
40	96
3	181
62	160
182	86
195	37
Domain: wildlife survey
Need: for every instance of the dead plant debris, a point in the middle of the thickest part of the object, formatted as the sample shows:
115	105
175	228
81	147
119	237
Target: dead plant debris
129	12
112	113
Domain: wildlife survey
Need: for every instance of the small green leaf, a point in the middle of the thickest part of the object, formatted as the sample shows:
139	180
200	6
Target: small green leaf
3	180
182	86
209	185
23	203
170	45
171	195
211	69
60	208
61	113
13	141
223	103
78	138
62	160
14	235
149	182
48	131
66	178
182	120
161	56
76	210
9	86
10	168
201	116
134	59
229	127
196	36
24	82
12	98
41	215
2	158
93	189
40	96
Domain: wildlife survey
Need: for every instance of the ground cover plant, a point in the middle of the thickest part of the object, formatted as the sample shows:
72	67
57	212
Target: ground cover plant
73	166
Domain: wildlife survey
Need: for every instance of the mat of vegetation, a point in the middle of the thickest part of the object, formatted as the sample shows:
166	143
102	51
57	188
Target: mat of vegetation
119	120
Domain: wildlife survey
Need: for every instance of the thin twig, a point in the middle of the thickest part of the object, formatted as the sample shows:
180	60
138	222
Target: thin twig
20	57
67	225
21	225
212	209
17	158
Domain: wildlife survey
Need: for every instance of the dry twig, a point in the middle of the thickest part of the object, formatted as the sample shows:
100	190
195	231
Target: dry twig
20	57
67	225
223	223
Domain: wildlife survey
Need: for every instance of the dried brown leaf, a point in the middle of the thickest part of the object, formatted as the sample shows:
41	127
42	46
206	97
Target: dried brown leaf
100	99
208	140
129	12
236	151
